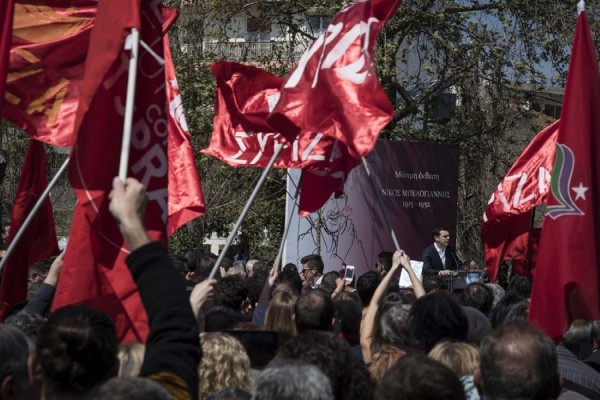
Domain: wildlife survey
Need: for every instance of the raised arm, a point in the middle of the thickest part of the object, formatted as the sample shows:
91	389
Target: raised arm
366	328
173	346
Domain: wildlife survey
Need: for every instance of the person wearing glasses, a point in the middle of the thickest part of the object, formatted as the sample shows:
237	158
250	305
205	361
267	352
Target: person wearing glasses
312	271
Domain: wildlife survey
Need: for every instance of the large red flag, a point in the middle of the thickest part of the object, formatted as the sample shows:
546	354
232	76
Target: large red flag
49	46
335	87
6	21
39	239
506	220
567	274
242	137
186	201
94	269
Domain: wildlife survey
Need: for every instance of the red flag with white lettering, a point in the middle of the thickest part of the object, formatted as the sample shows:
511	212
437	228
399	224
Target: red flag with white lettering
186	201
335	86
6	21
506	219
243	137
566	284
39	239
49	46
94	269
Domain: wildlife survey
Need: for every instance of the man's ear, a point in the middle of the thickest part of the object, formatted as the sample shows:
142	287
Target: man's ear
8	388
35	372
478	381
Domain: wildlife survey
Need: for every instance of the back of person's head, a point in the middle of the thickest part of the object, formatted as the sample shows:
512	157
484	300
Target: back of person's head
417	377
349	314
578	339
131	388
479	296
15	349
230	393
328	283
383	360
366	285
314	261
291	277
77	349
204	263
224	363
280	315
521	286
462	358
327	351
314	310
255	285
498	291
292	381
479	325
181	265
518	362
433	283
238	268
511	308
131	358
392	328
30	323
261	266
435	317
231	291
385	260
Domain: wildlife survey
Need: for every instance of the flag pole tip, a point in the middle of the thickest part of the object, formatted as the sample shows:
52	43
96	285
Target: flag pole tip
580	7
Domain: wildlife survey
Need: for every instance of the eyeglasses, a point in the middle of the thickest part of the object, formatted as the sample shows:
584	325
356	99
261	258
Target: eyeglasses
304	271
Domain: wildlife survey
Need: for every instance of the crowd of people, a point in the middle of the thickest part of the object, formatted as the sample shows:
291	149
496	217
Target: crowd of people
290	333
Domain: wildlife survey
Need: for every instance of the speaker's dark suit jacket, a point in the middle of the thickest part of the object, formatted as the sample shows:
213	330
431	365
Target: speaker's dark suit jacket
432	263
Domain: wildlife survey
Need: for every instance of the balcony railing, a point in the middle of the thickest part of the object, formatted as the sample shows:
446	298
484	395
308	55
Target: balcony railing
251	50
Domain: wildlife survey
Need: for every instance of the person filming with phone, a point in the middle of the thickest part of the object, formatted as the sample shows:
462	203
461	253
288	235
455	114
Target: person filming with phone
439	258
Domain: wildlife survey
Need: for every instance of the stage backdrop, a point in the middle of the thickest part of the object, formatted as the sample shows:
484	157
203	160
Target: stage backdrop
418	183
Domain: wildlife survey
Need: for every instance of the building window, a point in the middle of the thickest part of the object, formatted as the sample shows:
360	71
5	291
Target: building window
258	29
318	24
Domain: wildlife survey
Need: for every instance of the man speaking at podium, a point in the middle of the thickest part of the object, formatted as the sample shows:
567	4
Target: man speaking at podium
439	258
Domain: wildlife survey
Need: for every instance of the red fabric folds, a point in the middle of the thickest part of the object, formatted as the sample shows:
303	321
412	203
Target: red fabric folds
94	269
506	221
39	239
49	46
567	274
186	201
6	22
335	86
242	136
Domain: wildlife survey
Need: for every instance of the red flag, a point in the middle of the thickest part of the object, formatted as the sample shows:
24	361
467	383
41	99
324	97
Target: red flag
186	201
335	87
507	216
6	19
49	46
94	269
567	275
243	137
39	239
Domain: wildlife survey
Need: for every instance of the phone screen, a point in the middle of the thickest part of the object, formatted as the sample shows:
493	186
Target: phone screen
349	273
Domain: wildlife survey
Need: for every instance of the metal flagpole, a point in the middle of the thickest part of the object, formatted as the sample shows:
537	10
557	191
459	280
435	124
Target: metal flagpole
32	214
131	43
259	184
287	223
381	205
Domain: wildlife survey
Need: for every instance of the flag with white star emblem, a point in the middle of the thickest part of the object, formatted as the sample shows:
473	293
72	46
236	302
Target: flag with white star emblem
567	274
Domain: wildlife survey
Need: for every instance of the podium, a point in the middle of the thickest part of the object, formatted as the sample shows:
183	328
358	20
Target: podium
458	280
